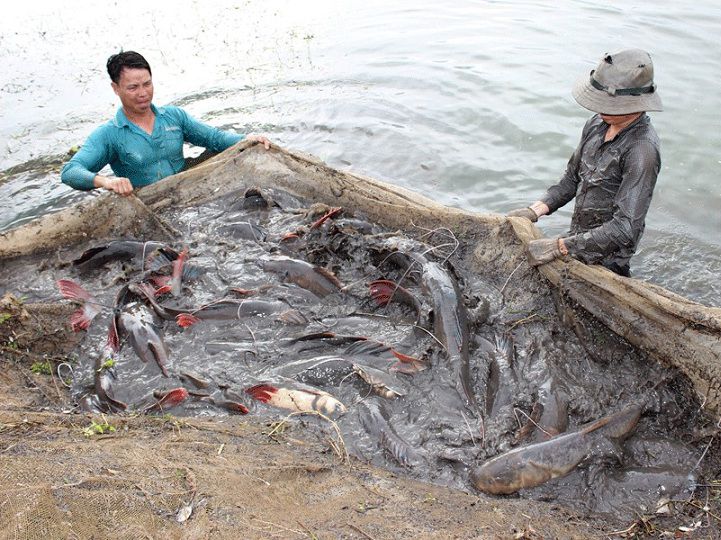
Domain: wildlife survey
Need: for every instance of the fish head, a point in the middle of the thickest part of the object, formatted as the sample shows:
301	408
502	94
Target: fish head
495	479
335	408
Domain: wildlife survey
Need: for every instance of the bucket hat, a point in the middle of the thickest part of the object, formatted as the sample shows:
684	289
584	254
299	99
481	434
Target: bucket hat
621	84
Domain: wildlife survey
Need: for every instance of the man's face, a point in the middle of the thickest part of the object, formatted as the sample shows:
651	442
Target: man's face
135	90
619	119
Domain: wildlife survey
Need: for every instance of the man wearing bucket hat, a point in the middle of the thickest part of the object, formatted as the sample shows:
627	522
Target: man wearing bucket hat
613	171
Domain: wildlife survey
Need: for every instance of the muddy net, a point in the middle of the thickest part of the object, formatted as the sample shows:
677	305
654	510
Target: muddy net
397	332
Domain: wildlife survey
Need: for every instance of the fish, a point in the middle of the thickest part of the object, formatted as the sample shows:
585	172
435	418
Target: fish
231	406
384	384
194	379
450	324
243	230
327	370
253	199
302	398
554	415
502	383
89	306
117	250
232	309
374	420
134	320
450	316
370	348
534	464
103	378
317	280
167	399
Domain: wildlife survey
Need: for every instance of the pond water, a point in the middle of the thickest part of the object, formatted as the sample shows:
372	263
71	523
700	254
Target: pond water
467	102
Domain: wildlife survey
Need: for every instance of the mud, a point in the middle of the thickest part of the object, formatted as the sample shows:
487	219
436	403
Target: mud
533	358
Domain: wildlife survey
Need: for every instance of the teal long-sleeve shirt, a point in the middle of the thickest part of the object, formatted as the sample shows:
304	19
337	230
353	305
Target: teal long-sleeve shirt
143	158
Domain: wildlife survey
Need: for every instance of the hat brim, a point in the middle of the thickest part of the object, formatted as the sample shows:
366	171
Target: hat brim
602	102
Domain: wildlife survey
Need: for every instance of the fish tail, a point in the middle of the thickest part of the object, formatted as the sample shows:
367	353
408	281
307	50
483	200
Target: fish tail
160	353
235	406
72	291
174	397
178	272
262	392
382	290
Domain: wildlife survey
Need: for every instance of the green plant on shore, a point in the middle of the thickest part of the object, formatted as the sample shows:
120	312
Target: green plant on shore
4	317
98	428
41	368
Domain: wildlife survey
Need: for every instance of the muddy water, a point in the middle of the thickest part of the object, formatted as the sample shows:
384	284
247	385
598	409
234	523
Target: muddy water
555	368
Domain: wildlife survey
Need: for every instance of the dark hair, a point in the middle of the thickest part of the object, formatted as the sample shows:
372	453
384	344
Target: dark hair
125	59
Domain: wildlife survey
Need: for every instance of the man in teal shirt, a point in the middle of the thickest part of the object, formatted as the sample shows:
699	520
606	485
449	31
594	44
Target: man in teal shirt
143	143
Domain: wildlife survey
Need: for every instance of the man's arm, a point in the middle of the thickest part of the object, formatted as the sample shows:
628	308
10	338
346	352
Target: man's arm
81	171
641	166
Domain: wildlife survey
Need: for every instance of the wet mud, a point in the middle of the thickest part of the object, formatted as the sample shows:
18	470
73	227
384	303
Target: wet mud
425	368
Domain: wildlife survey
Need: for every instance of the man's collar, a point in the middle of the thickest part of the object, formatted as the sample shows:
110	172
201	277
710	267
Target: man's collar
121	120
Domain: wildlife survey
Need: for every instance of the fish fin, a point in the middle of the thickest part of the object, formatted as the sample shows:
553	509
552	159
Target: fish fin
328	275
165	289
191	272
89	254
178	264
81	318
381	291
329	214
174	397
72	291
262	392
239	291
186	319
293	235
113	338
160	257
235	406
405	358
369	347
291	316
314	336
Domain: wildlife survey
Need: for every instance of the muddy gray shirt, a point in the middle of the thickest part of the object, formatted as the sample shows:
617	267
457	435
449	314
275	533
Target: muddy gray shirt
613	183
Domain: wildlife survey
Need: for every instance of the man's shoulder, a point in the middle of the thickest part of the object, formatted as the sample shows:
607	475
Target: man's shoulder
645	132
107	129
170	110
